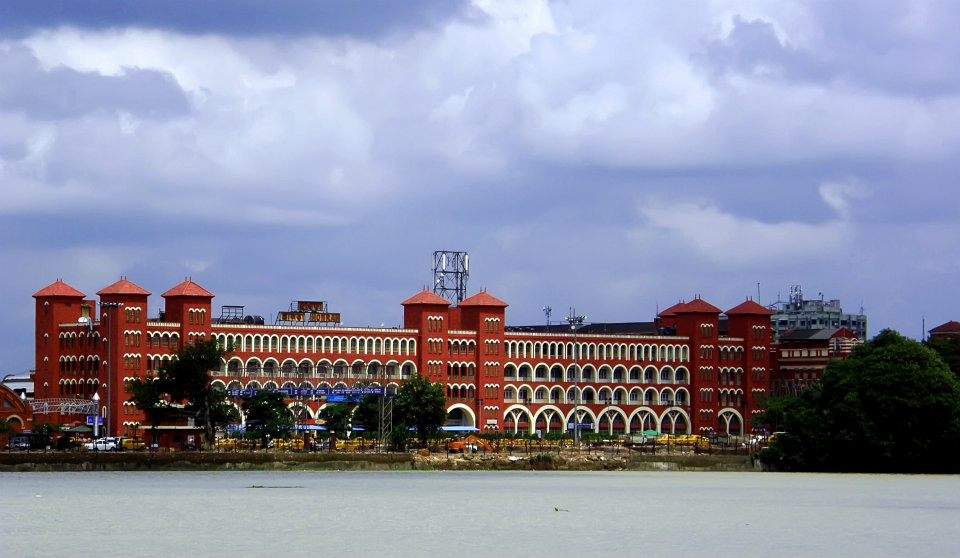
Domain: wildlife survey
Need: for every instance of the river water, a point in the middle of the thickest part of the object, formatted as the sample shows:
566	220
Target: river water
477	514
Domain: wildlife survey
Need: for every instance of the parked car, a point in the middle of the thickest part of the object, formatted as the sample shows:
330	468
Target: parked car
108	443
19	443
135	444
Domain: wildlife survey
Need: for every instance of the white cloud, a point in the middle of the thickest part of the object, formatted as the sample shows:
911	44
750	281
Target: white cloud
839	195
524	136
729	240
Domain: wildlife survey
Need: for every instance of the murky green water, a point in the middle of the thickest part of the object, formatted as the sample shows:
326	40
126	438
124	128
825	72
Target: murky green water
477	514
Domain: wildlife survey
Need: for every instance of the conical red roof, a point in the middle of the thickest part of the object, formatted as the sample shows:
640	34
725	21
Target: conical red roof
483	298
188	288
58	288
698	306
123	287
425	297
671	311
749	308
949	327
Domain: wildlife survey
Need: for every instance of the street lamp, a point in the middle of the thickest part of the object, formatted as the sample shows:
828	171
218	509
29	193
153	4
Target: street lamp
96	415
575	322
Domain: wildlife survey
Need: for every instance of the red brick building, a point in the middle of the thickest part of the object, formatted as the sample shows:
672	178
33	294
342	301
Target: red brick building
950	329
14	411
694	369
801	356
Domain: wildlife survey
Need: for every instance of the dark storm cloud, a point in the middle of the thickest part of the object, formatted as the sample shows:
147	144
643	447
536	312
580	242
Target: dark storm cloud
61	92
613	158
232	17
896	47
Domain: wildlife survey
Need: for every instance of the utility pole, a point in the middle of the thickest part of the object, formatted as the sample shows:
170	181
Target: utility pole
576	322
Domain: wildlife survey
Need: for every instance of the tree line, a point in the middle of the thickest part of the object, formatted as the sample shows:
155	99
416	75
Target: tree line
182	389
892	406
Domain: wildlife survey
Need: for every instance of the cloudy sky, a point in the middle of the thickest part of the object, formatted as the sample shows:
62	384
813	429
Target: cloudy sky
613	156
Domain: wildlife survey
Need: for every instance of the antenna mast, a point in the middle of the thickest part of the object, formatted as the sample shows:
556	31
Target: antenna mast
450	273
546	312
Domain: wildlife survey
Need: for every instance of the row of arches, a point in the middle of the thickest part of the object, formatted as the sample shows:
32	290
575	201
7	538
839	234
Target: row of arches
543	372
461	347
613	420
461	391
83	388
270	368
318	344
602	351
609	420
74	364
78	339
590	395
730	376
548	418
166	339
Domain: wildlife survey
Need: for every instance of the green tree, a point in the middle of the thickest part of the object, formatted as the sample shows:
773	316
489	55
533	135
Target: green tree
187	380
183	384
421	405
367	414
147	394
949	350
893	406
268	416
41	435
5	430
336	418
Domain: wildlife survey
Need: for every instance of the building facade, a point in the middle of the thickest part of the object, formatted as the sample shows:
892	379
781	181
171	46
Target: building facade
948	330
683	376
801	314
14	410
801	356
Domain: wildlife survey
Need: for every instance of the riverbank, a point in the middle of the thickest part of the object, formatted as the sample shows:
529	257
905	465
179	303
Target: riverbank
252	461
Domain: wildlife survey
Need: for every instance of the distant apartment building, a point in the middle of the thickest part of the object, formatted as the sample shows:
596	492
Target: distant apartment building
798	313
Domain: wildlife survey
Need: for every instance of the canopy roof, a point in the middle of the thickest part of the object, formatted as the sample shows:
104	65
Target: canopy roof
697	306
188	288
749	308
949	327
123	287
671	311
483	298
58	288
425	297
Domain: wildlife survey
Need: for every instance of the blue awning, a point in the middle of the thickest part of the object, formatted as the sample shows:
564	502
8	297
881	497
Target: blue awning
459	429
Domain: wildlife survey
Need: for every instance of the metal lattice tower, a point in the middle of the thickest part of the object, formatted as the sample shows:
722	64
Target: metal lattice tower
386	412
450	273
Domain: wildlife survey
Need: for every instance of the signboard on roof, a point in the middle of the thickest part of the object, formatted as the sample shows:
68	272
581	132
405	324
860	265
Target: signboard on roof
291	317
341	393
325	317
311	306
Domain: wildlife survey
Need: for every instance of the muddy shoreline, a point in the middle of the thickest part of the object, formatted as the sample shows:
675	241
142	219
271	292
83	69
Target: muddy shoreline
278	461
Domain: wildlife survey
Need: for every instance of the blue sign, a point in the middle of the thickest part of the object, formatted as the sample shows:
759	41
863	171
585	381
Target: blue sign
90	420
343	394
571	426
